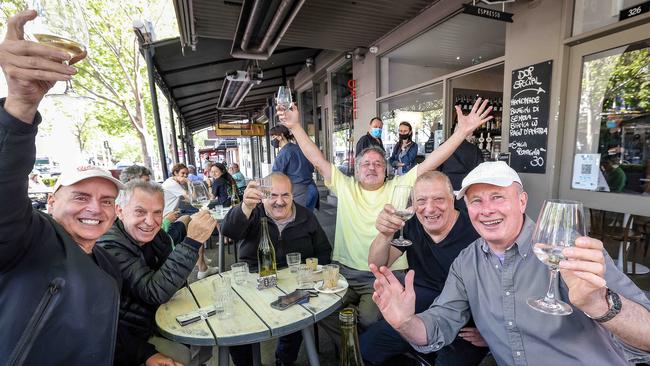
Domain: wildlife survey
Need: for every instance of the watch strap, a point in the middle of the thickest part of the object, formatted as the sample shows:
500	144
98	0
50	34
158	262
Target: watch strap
614	302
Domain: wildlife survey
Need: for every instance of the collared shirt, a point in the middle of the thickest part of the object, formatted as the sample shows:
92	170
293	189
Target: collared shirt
495	295
281	224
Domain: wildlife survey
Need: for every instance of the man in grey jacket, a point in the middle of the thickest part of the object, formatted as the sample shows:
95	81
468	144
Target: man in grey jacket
151	270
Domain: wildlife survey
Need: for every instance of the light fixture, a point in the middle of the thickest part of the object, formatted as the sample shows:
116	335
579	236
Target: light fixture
309	63
360	53
373	49
236	86
261	26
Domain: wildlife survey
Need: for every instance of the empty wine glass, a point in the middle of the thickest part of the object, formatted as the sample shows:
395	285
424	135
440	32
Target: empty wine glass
559	224
57	25
283	98
401	201
199	197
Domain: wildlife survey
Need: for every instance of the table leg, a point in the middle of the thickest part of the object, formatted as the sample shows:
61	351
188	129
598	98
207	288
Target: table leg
257	357
221	253
312	355
224	355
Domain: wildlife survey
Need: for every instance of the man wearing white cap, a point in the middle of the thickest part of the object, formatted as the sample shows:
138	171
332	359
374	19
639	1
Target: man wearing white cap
58	307
492	279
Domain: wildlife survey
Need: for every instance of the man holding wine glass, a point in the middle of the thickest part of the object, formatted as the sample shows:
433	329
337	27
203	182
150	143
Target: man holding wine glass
498	279
362	197
439	233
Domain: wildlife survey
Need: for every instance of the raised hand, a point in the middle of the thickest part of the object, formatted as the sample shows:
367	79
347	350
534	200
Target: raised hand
387	222
583	271
290	117
475	118
201	226
396	302
31	69
252	195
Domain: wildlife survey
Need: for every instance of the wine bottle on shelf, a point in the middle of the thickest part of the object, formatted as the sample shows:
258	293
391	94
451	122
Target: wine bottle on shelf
265	251
350	350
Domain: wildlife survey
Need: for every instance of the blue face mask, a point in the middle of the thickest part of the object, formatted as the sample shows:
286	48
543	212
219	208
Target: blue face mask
611	124
375	132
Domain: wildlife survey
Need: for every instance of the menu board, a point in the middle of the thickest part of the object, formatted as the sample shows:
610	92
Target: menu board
529	105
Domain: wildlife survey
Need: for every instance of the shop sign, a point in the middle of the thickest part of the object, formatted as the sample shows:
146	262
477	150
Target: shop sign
487	13
529	108
634	11
352	85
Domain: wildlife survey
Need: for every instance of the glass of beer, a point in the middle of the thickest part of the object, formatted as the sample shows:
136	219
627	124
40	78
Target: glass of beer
312	264
330	276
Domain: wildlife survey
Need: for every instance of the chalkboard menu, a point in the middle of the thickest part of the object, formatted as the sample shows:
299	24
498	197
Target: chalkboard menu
529	104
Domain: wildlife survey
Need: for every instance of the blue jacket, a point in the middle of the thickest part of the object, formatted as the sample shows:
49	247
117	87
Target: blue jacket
57	305
408	159
292	162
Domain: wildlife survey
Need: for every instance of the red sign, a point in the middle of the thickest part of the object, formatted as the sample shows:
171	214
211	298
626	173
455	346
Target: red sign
352	85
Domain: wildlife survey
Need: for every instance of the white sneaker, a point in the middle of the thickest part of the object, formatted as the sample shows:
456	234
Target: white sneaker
209	272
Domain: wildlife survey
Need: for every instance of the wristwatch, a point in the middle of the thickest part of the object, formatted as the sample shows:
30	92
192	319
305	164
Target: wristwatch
614	302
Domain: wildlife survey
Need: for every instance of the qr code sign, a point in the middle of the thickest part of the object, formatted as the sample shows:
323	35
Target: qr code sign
585	168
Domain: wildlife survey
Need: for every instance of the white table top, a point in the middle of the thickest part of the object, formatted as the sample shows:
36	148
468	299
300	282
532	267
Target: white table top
253	319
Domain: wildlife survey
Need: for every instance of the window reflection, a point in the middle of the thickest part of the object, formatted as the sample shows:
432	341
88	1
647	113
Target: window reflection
614	116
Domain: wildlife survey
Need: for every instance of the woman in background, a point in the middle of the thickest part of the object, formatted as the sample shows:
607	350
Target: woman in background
405	151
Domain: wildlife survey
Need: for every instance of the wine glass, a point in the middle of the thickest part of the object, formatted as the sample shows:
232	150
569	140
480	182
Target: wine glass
283	97
401	202
559	224
199	197
57	25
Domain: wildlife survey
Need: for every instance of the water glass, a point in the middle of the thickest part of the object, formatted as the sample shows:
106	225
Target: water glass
330	275
283	97
304	276
240	272
293	260
265	186
312	264
223	296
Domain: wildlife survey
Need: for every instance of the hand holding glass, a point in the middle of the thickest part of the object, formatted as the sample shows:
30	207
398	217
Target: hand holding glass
283	98
401	201
198	195
559	224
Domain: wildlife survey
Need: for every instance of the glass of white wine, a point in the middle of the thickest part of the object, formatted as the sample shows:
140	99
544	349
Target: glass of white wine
199	197
401	201
559	224
57	25
283	97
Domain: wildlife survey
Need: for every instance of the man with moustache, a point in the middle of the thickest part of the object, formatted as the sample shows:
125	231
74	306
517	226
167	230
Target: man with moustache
361	198
153	268
56	295
494	277
439	233
292	228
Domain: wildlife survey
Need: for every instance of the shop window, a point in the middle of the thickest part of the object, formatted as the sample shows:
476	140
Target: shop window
422	108
460	42
613	132
589	14
342	118
307	111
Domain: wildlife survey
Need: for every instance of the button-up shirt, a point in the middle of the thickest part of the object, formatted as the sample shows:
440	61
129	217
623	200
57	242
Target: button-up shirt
495	295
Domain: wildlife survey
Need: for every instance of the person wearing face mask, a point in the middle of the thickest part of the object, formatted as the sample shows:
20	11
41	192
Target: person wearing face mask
405	150
293	163
372	138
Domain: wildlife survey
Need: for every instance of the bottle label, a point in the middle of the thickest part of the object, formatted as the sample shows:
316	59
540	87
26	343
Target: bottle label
267	282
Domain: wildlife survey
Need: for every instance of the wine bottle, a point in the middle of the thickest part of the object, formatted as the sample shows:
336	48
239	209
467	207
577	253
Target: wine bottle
350	350
265	251
234	197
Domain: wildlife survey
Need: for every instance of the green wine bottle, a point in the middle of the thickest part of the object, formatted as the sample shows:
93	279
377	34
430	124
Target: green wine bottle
265	251
350	350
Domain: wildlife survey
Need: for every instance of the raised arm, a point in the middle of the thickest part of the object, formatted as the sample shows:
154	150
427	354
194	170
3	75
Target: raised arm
291	119
466	125
382	253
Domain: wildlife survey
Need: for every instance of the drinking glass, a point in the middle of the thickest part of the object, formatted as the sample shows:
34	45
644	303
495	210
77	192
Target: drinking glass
304	276
283	97
240	272
559	223
265	186
293	261
404	210
199	197
223	296
312	264
330	275
57	25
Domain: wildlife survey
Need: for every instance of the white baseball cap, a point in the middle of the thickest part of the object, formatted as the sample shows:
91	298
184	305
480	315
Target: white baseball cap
72	176
497	173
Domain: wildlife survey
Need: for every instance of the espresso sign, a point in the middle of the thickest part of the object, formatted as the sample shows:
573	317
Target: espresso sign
529	104
487	13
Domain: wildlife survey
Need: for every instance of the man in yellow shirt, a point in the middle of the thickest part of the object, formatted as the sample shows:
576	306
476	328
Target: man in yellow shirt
361	199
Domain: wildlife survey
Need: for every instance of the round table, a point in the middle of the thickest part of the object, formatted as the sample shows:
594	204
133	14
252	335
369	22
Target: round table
253	319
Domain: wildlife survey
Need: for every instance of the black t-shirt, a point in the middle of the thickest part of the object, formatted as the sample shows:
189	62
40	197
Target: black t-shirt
431	261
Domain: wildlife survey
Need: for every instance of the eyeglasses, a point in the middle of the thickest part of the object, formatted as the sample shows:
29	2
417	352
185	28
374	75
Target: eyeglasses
376	165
